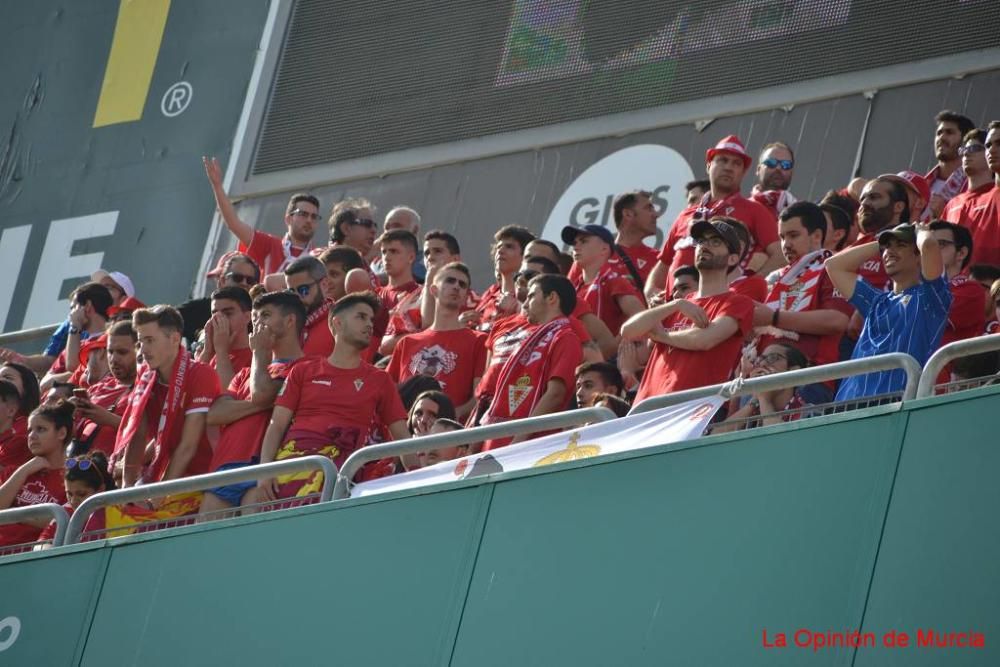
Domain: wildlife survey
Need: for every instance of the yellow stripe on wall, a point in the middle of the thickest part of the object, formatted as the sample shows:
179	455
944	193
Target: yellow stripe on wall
134	49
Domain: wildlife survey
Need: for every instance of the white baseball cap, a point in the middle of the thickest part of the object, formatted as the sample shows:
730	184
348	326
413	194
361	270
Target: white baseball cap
120	279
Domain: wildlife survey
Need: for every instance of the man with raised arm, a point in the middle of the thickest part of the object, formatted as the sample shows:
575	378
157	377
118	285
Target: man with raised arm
910	318
271	253
327	406
244	409
696	341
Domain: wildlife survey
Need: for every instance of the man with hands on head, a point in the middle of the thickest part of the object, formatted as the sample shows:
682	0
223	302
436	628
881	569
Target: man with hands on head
227	343
910	318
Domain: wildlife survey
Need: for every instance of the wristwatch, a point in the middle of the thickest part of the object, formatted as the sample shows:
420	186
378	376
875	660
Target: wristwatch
74	330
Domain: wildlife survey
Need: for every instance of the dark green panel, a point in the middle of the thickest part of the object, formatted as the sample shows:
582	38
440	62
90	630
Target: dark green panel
380	583
939	564
52	599
685	557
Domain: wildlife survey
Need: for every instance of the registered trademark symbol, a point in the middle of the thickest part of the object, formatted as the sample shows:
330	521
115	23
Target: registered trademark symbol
177	98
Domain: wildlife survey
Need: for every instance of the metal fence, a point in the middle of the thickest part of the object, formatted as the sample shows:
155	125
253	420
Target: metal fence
948	354
27	335
558	420
74	531
49	511
796	378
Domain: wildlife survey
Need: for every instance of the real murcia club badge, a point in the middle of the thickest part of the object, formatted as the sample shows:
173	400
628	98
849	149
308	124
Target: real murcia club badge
518	392
358	384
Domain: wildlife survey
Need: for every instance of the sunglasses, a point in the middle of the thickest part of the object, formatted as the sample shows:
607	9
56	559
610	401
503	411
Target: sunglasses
82	464
525	275
771	163
304	290
364	222
305	214
239	278
969	149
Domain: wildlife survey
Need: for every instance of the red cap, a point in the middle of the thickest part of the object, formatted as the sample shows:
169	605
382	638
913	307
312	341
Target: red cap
730	144
917	183
220	266
87	346
129	304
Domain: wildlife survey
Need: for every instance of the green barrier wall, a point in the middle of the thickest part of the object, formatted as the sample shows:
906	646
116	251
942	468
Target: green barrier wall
696	554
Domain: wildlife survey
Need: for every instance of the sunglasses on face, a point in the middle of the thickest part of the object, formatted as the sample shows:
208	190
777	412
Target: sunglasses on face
82	464
969	149
771	163
364	222
239	278
305	214
525	275
303	290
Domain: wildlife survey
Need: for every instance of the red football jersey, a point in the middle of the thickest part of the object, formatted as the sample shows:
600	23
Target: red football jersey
42	487
453	358
673	369
271	253
14	444
201	387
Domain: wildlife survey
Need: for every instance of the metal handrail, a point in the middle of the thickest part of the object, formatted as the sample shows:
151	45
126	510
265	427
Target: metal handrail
52	511
555	420
199	483
795	378
945	355
12	337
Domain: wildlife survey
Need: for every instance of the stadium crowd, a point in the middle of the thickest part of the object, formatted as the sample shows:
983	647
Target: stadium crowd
308	347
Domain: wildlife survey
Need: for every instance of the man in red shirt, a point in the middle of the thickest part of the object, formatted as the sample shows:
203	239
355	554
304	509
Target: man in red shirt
166	413
979	208
947	178
884	205
339	262
538	378
327	406
448	351
749	284
499	300
696	341
979	179
99	413
605	287
307	277
352	224
244	409
727	163
227	343
399	251
966	316
775	169
271	253
802	307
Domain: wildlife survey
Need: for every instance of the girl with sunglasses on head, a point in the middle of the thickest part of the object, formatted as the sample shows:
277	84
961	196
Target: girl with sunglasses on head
83	476
40	480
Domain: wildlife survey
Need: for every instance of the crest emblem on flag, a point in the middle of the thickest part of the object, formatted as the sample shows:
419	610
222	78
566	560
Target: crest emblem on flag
518	392
573	451
358	384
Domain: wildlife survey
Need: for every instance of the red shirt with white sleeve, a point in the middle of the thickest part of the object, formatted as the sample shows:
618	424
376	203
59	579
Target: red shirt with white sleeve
271	253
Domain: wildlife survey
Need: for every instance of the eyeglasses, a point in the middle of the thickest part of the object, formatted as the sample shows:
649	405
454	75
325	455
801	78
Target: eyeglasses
305	214
971	148
525	275
82	464
771	163
771	358
711	242
239	278
303	290
364	222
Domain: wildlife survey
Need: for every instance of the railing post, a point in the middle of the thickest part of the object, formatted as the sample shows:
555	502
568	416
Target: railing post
42	510
945	355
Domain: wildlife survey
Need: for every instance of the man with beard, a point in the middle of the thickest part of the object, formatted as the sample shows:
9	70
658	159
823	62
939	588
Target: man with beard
327	405
696	341
981	213
947	178
726	163
307	277
99	412
910	318
884	204
962	207
775	169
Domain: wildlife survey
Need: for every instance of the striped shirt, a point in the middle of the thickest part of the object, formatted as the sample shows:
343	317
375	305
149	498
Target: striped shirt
911	322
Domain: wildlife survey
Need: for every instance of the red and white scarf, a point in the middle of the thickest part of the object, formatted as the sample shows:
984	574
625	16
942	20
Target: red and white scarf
171	422
315	316
288	257
518	387
797	290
